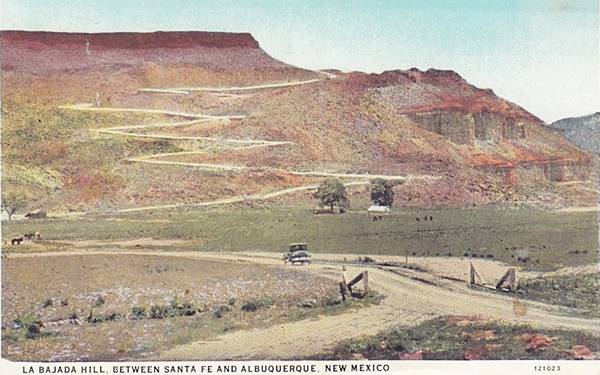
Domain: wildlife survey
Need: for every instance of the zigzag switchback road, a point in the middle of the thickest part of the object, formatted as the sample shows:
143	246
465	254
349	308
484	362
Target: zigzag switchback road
198	118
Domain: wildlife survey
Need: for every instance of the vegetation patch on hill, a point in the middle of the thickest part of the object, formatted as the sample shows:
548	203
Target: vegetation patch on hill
469	338
580	293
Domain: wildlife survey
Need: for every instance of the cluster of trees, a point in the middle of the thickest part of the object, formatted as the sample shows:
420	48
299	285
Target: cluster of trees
13	201
332	192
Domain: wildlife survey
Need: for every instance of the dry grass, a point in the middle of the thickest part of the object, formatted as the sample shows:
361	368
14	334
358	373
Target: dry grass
55	288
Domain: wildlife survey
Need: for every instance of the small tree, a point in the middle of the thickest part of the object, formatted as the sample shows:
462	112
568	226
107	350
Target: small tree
332	192
12	202
382	192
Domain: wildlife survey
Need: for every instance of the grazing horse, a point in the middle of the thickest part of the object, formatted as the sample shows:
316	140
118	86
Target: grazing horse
32	236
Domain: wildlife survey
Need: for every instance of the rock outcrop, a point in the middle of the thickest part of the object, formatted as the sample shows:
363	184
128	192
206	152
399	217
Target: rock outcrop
583	131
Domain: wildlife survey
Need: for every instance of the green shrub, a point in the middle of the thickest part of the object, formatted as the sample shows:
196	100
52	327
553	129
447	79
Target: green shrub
250	306
159	311
115	317
94	318
333	301
179	308
32	325
33	331
220	310
138	313
255	304
100	301
307	304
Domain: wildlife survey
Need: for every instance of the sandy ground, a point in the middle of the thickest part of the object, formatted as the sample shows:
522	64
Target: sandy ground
407	301
127	281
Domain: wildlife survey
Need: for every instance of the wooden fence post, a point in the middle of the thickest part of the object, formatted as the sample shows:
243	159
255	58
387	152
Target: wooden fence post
343	291
512	280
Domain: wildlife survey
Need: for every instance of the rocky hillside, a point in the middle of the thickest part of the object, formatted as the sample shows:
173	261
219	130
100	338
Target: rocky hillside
471	146
583	131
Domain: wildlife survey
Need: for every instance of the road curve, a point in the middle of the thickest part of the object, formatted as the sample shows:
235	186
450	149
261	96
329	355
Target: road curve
406	302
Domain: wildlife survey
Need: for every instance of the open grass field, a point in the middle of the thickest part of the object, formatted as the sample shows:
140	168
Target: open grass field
535	240
145	303
110	307
575	291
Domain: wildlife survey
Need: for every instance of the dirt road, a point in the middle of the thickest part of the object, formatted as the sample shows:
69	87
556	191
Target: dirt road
187	90
235	199
90	108
129	131
407	301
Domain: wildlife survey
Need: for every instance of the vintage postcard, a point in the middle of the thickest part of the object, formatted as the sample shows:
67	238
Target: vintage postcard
307	187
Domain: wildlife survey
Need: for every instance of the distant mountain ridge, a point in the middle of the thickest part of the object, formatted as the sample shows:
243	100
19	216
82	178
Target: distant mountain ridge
584	131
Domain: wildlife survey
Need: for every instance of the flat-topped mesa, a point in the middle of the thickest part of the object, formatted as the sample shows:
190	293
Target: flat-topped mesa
127	40
44	52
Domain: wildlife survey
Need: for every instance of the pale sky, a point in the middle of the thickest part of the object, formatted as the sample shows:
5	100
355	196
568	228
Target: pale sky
540	54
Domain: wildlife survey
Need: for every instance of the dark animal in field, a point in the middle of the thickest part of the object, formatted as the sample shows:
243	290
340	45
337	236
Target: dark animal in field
16	241
32	236
39	214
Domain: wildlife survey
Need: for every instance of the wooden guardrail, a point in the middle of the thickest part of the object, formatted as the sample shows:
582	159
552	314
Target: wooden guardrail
346	286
